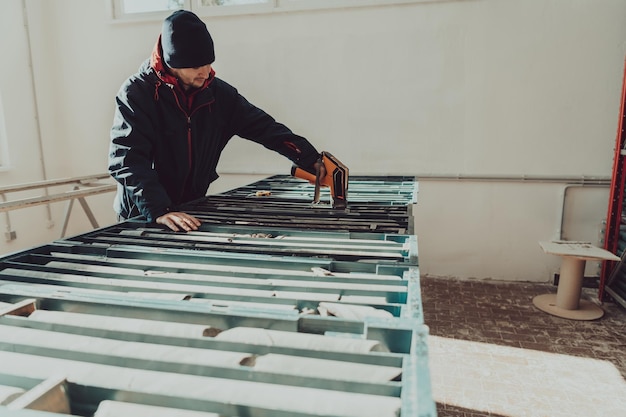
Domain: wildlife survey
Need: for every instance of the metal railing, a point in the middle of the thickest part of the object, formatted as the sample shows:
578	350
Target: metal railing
81	187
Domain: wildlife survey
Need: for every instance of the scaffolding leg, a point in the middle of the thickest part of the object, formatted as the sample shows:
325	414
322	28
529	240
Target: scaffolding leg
86	209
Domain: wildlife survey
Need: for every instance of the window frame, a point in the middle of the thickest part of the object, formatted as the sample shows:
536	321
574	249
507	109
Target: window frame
4	141
270	6
255	8
289	5
118	14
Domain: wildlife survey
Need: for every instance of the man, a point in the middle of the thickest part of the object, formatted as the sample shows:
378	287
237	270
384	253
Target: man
172	121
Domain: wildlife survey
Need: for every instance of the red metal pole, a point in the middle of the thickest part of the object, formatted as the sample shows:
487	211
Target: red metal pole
616	197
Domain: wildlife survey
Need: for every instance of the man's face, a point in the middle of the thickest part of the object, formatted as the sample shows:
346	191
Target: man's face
192	77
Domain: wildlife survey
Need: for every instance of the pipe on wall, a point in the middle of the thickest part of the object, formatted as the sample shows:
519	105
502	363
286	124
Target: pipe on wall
36	108
568	181
573	180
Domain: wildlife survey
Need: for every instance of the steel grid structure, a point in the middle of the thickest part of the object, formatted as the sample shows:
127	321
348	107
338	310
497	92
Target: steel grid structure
240	318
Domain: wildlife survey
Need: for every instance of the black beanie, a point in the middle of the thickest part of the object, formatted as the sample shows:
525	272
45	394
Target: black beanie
186	42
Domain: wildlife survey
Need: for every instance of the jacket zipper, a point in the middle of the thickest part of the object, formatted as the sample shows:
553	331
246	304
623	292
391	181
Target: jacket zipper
189	140
189	154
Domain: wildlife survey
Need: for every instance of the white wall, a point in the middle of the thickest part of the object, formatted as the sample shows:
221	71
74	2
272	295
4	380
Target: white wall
469	88
24	163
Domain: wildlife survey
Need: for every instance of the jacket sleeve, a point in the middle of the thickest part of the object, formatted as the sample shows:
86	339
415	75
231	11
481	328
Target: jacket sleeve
256	125
131	154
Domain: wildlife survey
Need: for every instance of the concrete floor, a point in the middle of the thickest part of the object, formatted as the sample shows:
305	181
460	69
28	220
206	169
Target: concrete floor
493	353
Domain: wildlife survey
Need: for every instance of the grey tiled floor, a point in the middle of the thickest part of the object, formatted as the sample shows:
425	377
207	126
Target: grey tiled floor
493	353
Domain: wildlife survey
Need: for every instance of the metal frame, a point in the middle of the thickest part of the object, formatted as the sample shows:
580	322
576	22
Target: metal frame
138	314
82	187
616	197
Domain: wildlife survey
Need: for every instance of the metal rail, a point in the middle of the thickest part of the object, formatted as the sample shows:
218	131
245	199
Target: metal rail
230	320
82	187
84	180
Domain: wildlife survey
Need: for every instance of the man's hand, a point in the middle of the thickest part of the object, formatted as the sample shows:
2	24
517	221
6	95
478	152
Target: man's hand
320	170
177	220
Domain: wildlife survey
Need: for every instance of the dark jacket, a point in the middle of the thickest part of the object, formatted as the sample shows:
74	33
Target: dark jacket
165	145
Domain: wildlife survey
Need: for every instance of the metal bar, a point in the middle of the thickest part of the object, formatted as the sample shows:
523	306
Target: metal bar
258	241
239	276
49	395
6	412
96	326
66	217
88	213
205	393
35	201
273	307
24	307
616	197
86	209
84	180
352	377
88	181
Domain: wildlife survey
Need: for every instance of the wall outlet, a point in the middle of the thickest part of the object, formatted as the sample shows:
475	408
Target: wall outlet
9	236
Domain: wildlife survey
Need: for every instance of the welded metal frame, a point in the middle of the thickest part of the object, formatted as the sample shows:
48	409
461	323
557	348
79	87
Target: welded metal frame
138	272
617	194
